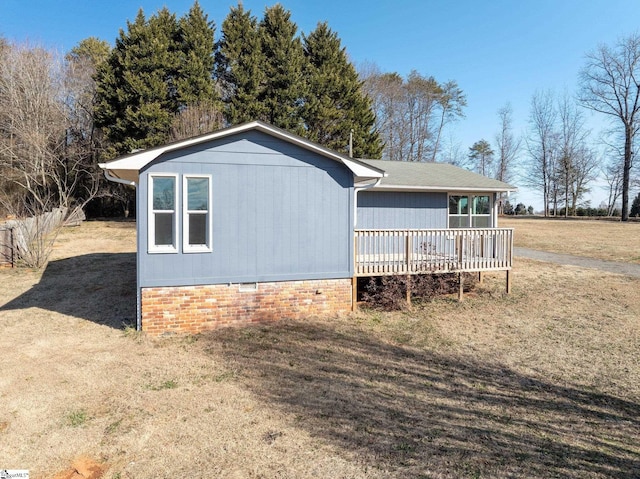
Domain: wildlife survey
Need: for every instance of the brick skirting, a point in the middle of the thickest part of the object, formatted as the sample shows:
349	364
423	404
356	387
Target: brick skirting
193	309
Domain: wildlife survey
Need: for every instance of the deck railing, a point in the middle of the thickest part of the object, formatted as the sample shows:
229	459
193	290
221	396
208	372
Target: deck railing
408	251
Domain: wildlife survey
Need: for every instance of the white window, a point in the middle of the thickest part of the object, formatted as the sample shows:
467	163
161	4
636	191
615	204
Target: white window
458	211
196	221
163	221
470	211
481	211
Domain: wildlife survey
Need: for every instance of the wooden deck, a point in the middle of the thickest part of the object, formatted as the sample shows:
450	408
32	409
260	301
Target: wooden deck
407	251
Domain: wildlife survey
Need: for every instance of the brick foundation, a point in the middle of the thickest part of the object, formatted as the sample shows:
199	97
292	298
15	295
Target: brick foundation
193	309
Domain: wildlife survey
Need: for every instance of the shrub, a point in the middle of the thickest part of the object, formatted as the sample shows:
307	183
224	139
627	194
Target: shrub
389	293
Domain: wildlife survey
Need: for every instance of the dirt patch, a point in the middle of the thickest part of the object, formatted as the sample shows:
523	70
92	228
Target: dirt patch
82	468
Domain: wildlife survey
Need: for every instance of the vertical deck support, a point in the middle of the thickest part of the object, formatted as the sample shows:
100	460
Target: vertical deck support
508	285
354	293
460	287
408	289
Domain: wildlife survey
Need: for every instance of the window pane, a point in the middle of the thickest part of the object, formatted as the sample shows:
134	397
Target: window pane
458	205
458	221
481	205
163	193
481	221
197	194
198	229
163	229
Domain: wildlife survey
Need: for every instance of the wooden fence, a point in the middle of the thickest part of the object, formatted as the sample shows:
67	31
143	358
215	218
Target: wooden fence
7	247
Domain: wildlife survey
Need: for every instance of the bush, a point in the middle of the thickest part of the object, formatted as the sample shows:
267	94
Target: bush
389	293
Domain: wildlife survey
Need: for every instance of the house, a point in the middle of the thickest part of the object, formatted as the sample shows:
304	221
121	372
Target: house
252	223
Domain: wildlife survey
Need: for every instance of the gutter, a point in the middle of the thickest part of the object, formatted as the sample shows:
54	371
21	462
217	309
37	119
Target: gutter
115	179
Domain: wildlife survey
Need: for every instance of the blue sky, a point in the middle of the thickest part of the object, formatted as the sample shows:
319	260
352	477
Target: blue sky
498	51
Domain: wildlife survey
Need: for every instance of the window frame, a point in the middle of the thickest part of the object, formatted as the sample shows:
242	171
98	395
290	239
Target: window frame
458	215
488	215
152	247
470	206
186	246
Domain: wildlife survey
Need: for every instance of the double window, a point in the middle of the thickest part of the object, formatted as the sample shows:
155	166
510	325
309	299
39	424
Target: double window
470	211
167	213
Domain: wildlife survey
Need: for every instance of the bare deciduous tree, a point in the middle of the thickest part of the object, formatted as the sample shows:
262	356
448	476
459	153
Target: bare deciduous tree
42	152
610	84
508	147
613	176
411	113
196	120
541	145
576	161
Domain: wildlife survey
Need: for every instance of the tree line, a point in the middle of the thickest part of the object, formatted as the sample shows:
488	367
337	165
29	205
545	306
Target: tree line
166	78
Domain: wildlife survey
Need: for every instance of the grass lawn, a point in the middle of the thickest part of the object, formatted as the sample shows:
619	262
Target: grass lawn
542	383
607	240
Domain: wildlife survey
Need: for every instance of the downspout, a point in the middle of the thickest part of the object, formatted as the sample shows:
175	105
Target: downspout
355	199
115	179
354	279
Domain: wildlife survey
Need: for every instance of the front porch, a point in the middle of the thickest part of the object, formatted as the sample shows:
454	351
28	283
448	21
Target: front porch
380	252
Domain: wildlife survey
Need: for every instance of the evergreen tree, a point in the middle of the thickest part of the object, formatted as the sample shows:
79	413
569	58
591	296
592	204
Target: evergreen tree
239	68
635	207
136	86
481	156
284	65
194	82
335	103
91	49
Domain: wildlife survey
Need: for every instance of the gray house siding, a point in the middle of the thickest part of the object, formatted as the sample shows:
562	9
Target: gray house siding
401	210
279	212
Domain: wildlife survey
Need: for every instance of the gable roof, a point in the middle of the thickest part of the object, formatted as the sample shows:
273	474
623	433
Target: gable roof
127	168
391	175
419	176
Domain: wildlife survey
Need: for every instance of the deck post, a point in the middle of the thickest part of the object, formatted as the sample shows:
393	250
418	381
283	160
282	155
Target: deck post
508	285
354	293
480	277
408	288
460	287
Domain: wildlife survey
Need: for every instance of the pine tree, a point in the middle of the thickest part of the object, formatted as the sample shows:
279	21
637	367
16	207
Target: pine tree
284	61
194	82
481	156
335	103
136	91
239	67
635	207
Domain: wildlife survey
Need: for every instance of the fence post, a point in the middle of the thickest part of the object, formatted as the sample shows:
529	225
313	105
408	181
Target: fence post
13	248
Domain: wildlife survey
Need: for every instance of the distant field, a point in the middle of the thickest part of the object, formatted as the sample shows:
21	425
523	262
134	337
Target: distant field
608	240
542	383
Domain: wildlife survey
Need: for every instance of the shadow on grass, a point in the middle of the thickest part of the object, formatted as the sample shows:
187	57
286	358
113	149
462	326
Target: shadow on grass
97	287
422	414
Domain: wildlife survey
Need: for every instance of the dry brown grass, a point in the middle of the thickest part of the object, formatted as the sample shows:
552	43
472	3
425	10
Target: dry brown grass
607	240
543	383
